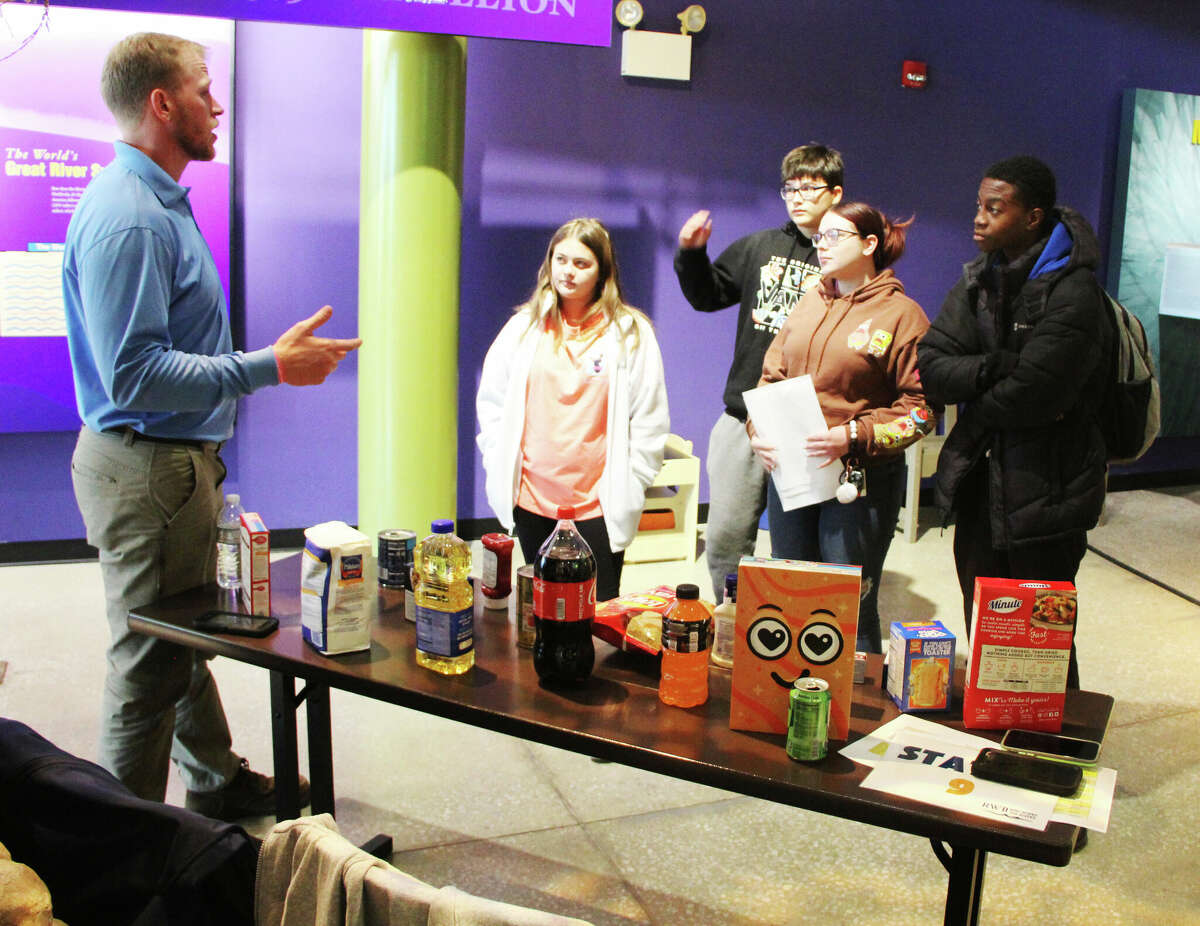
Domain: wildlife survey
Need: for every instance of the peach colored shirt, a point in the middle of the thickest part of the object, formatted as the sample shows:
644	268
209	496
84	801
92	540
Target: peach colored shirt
566	420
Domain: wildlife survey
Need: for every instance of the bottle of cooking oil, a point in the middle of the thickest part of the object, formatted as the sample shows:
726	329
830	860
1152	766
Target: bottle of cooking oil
445	601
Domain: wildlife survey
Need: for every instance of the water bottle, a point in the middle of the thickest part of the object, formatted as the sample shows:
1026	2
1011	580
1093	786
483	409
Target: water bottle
229	543
564	604
444	601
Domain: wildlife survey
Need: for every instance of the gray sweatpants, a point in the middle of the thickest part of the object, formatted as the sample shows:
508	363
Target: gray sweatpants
151	509
737	497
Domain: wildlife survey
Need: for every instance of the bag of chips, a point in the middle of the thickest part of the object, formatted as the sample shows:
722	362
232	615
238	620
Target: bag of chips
634	622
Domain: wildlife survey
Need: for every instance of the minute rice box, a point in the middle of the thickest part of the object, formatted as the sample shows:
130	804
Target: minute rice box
1020	648
335	595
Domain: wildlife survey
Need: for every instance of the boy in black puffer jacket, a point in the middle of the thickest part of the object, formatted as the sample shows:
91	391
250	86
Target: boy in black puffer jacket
1023	345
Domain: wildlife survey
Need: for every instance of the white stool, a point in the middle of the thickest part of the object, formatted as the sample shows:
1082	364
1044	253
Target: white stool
675	489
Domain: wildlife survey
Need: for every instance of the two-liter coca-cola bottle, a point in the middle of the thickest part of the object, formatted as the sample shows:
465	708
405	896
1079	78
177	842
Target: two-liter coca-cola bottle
564	604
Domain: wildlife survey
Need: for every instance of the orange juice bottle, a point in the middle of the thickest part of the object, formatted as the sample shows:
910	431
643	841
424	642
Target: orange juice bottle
686	639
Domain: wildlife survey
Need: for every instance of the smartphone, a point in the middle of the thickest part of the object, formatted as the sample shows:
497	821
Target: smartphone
1052	746
242	625
1012	768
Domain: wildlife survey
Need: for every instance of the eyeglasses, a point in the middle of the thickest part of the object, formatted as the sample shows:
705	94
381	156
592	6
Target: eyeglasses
833	236
806	191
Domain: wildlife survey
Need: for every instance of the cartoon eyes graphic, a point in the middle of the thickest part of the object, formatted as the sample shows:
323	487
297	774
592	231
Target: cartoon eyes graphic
769	638
820	642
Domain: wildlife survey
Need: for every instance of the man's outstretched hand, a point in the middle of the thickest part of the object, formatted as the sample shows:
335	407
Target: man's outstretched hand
303	358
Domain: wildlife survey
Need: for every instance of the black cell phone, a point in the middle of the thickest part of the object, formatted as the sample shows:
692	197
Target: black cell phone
242	625
1052	746
1011	768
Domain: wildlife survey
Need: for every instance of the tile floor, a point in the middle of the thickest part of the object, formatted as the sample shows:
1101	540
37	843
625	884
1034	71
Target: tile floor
533	825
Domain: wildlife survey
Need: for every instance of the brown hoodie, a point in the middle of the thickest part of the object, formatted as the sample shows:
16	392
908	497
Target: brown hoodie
861	351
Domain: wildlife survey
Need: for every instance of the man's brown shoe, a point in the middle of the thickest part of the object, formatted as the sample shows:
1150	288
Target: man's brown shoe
248	794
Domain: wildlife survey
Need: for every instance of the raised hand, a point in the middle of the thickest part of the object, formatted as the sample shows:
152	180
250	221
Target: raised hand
696	230
303	358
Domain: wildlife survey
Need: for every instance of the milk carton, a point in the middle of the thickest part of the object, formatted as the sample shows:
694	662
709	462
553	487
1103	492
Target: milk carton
920	665
1020	647
256	564
335	596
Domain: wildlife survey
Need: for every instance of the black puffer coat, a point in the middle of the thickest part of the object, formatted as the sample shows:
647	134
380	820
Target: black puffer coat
1025	348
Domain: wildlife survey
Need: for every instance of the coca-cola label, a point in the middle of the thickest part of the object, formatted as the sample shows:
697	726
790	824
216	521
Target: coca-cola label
564	601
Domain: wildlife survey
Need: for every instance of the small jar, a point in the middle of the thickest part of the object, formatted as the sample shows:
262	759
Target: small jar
497	570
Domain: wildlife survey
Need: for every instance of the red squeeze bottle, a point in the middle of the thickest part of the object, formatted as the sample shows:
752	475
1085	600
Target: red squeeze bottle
496	582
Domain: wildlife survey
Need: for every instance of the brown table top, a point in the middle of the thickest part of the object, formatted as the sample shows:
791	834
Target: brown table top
616	715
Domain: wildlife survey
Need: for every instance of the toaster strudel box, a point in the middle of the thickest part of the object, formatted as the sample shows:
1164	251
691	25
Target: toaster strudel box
1020	648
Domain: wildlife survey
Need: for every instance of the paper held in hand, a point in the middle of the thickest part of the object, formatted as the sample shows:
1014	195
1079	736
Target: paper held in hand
784	414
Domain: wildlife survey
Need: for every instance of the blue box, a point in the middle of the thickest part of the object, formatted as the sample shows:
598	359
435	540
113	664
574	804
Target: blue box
920	665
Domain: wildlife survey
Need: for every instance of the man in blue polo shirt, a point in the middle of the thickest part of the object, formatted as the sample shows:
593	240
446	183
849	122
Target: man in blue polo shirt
157	383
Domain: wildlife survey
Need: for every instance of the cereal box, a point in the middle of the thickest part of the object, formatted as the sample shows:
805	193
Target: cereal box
256	564
1020	647
920	665
793	619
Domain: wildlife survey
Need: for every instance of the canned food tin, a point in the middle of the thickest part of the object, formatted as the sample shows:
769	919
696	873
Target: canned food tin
526	629
808	720
395	557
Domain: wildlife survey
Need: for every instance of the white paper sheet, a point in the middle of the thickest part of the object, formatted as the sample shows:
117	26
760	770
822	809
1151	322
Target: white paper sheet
1092	808
916	741
784	414
929	762
956	791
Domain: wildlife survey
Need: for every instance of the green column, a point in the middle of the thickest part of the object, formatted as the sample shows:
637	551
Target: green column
410	217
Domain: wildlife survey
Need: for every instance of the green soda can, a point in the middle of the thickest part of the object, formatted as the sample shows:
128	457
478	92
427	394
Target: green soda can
808	720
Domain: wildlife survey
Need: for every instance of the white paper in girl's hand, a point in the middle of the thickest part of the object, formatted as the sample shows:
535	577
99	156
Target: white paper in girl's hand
784	414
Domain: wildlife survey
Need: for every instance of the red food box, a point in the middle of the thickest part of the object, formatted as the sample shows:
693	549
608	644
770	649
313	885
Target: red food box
1020	649
256	565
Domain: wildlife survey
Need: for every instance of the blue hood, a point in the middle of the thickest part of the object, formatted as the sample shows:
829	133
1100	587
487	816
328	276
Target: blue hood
1057	252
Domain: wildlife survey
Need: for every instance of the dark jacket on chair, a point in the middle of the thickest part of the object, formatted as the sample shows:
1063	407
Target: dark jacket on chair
111	858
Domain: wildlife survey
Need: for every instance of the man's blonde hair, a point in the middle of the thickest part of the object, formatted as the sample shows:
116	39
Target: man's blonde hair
139	64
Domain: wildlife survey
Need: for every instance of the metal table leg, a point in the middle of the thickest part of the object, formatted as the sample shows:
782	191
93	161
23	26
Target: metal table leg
965	890
320	746
283	741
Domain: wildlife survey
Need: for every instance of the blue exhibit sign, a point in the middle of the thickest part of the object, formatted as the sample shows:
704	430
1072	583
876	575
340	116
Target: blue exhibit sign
572	22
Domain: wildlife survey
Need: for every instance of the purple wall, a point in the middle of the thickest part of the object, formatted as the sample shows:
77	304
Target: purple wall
1041	77
554	131
298	99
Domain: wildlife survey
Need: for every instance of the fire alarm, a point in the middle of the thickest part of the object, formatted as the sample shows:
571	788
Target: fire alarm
914	74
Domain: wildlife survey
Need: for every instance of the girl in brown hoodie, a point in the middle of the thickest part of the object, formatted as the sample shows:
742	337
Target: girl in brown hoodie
856	335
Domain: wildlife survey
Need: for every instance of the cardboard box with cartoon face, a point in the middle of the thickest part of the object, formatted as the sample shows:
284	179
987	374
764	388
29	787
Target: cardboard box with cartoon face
793	619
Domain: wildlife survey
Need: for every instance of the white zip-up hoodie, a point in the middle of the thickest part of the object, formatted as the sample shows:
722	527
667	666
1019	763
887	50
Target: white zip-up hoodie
638	422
